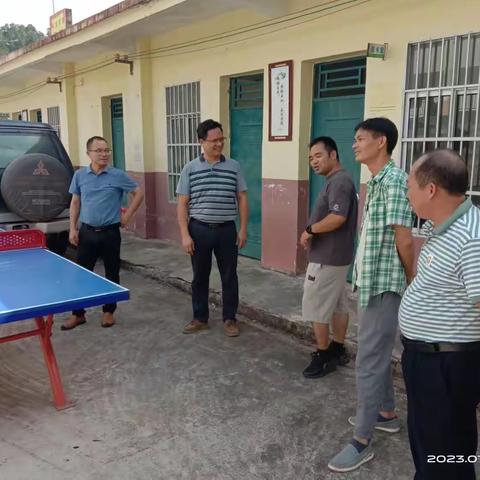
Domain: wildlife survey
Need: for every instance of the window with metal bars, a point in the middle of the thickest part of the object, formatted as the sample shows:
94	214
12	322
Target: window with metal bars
183	117
117	107
442	91
53	116
340	78
246	92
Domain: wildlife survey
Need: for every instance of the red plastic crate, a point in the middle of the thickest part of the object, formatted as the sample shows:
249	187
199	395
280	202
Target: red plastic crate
18	239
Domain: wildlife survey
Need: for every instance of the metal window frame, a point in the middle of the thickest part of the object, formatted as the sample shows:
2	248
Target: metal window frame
53	119
182	116
454	90
246	91
323	70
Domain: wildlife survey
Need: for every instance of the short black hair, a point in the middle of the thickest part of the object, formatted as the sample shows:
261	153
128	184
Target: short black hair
206	126
329	144
444	168
92	139
381	126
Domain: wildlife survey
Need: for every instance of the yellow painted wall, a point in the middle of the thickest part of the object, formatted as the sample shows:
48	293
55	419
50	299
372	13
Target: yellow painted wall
89	90
338	35
342	34
47	96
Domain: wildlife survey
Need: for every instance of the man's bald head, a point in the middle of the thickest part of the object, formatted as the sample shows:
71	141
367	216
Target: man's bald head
445	169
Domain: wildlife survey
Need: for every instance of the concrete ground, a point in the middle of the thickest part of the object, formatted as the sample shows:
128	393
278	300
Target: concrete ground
266	296
152	403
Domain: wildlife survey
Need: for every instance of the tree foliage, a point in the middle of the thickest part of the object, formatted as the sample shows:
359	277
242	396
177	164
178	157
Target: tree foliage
14	36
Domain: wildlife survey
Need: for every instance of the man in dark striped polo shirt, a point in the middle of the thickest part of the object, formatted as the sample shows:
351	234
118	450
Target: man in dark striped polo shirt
440	322
211	193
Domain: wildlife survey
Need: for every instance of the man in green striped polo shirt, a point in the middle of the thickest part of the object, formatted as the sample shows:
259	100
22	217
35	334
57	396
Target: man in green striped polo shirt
211	194
440	322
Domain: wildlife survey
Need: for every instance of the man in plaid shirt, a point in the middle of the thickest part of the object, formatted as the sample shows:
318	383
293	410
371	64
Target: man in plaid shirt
383	267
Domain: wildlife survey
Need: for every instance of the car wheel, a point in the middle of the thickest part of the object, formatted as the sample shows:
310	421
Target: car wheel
35	187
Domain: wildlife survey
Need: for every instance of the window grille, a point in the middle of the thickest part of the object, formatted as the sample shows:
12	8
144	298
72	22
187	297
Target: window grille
341	78
53	116
442	90
246	92
183	117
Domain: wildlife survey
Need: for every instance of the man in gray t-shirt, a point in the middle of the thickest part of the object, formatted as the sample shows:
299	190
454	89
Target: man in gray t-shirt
329	238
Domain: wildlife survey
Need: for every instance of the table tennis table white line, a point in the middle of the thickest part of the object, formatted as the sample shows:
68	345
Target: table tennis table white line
90	297
77	299
76	264
63	258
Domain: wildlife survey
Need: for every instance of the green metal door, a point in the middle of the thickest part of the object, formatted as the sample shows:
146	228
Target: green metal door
118	145
246	133
338	106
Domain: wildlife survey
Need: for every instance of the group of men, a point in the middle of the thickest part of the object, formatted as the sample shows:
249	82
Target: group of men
439	314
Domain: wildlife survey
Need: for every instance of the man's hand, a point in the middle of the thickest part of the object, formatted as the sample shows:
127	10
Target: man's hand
305	240
241	238
188	245
136	199
404	244
73	236
124	219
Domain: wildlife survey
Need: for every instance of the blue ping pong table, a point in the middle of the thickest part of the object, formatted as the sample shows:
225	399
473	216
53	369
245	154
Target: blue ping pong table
36	283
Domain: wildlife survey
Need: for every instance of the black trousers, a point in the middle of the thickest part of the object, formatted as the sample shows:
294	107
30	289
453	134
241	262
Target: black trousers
104	244
222	241
443	390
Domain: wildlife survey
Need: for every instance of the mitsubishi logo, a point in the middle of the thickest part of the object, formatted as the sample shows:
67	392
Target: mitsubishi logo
41	170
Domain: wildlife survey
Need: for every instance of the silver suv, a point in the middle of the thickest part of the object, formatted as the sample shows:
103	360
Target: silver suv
35	174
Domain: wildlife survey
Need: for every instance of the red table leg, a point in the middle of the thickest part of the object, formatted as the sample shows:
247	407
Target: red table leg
45	328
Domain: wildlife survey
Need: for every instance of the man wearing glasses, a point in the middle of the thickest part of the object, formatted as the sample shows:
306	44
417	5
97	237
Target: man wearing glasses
97	192
211	193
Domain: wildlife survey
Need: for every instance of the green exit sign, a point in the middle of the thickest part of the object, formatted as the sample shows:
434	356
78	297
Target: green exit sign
377	50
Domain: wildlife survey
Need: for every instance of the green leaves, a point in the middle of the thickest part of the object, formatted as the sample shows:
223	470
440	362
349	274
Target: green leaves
14	36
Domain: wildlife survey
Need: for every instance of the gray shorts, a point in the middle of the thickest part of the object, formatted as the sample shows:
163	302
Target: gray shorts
324	292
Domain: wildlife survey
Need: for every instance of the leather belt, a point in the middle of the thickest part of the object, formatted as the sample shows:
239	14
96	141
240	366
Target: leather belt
439	347
103	228
212	225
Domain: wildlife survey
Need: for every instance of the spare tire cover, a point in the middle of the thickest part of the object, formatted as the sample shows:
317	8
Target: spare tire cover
35	187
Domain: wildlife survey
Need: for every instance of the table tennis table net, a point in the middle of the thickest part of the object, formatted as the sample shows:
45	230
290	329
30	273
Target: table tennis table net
17	239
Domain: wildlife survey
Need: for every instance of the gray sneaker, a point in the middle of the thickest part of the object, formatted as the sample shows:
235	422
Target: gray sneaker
389	426
349	459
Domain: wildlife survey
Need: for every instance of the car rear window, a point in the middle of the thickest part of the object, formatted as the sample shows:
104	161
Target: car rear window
14	145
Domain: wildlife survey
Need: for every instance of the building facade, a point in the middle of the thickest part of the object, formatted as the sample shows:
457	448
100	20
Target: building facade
144	73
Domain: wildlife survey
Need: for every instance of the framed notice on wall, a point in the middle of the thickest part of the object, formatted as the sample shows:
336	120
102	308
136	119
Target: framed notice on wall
280	82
